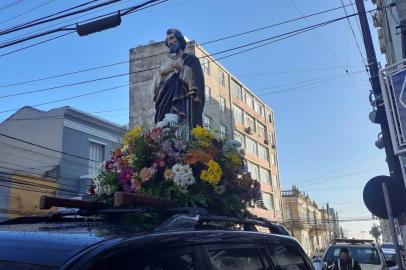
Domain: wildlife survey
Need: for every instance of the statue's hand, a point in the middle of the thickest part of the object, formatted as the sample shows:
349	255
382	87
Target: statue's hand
167	69
177	65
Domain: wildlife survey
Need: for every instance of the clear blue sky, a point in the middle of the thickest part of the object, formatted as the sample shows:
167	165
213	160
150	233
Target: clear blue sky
324	138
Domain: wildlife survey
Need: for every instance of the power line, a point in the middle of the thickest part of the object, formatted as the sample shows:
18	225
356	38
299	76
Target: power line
45	147
26	12
353	34
122	12
127	61
36	44
42	19
72	97
63	22
11	4
281	36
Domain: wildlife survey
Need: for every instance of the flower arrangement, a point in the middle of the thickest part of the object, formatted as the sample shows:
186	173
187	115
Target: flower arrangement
201	172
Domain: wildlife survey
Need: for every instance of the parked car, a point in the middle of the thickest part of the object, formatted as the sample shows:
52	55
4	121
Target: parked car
389	252
186	239
369	255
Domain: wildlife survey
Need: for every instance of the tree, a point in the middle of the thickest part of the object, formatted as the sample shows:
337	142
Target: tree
375	232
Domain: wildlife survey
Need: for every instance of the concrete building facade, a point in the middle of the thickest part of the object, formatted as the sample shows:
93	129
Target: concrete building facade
231	110
64	145
308	223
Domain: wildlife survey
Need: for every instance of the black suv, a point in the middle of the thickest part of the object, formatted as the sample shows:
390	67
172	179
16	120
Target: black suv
188	239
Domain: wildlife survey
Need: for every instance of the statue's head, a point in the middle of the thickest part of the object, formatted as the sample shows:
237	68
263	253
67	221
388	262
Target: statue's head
175	40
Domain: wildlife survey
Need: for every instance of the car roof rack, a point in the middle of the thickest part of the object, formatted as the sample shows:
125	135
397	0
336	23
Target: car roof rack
179	218
352	241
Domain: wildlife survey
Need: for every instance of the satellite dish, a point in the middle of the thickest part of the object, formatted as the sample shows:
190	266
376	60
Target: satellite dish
375	201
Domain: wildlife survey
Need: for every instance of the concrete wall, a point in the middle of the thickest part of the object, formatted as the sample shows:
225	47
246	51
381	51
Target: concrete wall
143	64
391	39
76	140
24	201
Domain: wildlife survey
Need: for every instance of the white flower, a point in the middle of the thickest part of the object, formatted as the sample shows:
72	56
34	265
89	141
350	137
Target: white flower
109	189
161	124
171	118
177	168
183	175
124	148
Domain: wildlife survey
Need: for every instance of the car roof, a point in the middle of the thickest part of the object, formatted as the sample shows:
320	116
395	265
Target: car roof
59	242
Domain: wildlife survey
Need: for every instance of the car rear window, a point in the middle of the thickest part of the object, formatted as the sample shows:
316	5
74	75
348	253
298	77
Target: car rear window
364	255
285	257
389	246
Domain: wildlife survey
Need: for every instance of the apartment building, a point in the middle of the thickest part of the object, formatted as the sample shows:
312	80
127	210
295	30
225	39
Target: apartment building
232	110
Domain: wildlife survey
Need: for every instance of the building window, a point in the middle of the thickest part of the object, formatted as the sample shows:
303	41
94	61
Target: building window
277	204
207	92
96	157
223	132
236	90
271	138
249	99
222	104
249	122
264	176
240	138
261	130
205	65
263	152
221	78
238	115
267	198
257	106
207	122
270	117
273	159
251	146
253	170
275	180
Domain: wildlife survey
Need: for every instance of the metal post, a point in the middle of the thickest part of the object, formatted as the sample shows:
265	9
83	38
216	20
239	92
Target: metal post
392	228
392	160
328	222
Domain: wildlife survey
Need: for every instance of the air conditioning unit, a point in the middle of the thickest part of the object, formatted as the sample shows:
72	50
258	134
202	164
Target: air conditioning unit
377	19
248	130
266	141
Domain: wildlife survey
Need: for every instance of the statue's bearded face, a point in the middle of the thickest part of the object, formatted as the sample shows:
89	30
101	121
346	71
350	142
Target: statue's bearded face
172	42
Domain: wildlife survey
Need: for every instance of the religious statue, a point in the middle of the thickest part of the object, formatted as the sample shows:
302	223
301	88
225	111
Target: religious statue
179	84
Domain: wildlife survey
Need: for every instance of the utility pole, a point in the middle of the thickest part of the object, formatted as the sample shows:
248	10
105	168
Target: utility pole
392	160
328	222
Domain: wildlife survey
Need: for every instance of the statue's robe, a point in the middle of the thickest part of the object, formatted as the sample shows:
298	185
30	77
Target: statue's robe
181	93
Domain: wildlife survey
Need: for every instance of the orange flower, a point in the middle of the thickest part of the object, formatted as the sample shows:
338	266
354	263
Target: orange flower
168	174
197	156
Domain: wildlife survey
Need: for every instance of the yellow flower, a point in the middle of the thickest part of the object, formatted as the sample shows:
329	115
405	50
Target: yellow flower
132	135
202	134
234	159
213	174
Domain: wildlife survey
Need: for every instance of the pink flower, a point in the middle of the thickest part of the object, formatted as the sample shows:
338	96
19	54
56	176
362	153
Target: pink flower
125	176
145	174
155	134
109	165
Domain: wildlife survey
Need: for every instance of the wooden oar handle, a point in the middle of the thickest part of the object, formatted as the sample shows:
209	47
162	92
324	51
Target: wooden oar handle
46	202
123	199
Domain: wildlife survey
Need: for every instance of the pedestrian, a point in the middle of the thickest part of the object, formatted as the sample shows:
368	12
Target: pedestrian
346	262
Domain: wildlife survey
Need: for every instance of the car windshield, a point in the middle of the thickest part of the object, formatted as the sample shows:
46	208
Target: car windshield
364	255
388	246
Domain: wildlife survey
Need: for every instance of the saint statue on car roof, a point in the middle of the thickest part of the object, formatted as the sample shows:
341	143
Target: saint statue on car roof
179	84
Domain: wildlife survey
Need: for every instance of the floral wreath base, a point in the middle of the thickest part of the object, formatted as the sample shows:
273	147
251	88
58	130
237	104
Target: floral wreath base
203	171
